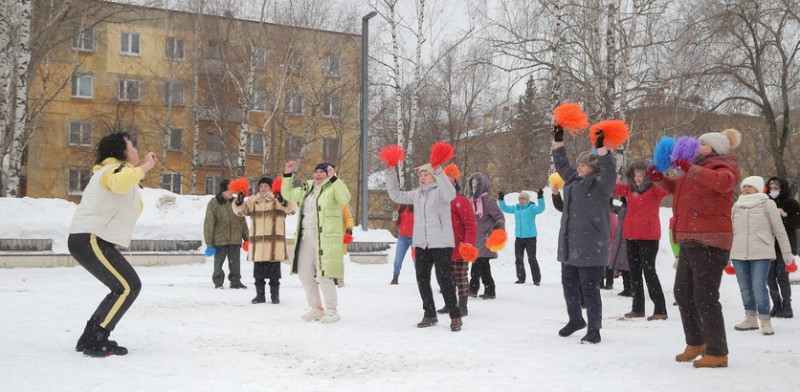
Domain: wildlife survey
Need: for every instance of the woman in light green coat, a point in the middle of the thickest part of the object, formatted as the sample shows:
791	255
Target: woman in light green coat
318	254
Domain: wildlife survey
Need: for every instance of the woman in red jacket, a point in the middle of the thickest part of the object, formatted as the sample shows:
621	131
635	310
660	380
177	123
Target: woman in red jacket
642	230
703	198
465	229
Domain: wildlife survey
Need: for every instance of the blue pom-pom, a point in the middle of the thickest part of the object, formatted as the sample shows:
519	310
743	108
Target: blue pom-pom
210	251
663	152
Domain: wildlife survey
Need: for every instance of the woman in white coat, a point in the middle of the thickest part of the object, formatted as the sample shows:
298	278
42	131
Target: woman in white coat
756	225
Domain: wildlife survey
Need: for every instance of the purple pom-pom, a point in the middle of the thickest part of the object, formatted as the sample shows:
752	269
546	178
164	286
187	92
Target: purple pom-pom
686	148
662	154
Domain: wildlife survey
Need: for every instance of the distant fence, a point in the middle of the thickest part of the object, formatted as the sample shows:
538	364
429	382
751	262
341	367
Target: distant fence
22	253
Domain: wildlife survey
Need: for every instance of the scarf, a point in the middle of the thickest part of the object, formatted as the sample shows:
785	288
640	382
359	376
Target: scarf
479	205
749	201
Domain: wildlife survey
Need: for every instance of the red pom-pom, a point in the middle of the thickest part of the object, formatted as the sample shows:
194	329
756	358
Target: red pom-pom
468	252
615	131
348	238
276	185
392	154
413	253
570	117
452	171
246	245
791	268
730	270
441	152
239	186
497	240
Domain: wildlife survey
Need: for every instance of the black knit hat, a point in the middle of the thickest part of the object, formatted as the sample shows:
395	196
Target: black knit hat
265	180
324	166
223	185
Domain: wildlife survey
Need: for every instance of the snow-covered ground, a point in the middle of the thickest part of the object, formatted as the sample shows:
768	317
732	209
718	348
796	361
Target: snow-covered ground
183	335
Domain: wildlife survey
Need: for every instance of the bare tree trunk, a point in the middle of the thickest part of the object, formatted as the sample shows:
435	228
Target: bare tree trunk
12	164
412	121
611	54
398	86
555	92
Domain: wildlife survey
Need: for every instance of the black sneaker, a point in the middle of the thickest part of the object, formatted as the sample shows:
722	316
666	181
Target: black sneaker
519	281
592	337
238	285
625	293
571	328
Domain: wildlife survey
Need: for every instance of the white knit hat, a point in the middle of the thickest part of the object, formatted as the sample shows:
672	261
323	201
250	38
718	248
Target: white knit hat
426	167
755	182
722	142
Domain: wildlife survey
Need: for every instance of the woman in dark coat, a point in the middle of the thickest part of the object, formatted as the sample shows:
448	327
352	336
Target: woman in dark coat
490	218
778	279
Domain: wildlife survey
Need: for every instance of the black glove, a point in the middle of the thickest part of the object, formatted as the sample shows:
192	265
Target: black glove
601	137
540	194
239	199
558	133
501	196
280	199
349	231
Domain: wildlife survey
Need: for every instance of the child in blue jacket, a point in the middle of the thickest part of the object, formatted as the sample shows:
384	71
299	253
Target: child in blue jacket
525	217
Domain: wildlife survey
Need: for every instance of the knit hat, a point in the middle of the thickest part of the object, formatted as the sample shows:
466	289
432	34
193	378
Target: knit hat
223	185
324	166
754	181
588	159
722	142
526	195
426	167
265	180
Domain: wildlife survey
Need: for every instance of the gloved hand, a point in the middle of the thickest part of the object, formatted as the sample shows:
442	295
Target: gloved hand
683	164
601	138
654	175
210	251
239	199
558	133
540	194
349	231
501	195
280	199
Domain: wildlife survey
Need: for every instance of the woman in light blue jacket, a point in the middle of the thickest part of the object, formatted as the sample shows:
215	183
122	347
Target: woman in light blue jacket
525	218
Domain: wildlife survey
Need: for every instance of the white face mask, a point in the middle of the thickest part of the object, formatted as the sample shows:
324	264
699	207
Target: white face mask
774	194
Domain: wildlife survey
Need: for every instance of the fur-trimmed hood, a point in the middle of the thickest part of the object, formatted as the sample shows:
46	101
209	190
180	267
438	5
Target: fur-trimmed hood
484	185
631	170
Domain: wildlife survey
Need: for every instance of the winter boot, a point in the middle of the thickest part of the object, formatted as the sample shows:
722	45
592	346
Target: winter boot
690	353
711	361
86	337
99	345
766	327
462	305
455	324
786	310
314	314
776	307
443	310
592	337
571	328
427	322
750	321
274	294
331	316
394	280
259	298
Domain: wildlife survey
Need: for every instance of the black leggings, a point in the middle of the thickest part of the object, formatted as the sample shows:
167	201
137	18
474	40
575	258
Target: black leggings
104	261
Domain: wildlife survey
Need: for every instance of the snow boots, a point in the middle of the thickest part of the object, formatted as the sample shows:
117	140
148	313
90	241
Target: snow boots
259	298
462	305
766	327
592	337
750	321
711	361
87	335
690	353
98	345
394	280
427	322
785	310
571	328
274	294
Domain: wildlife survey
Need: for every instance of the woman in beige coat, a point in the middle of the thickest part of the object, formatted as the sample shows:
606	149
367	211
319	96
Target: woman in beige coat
267	212
756	226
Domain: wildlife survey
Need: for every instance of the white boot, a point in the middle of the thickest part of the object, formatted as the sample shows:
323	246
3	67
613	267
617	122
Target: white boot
315	314
331	316
766	327
750	321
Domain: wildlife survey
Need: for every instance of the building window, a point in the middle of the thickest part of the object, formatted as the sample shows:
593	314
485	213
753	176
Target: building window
259	100
294	104
173	94
171	182
295	60
213	142
82	86
129	43
333	65
212	184
294	146
332	106
80	133
173	140
255	143
83	40
260	60
78	179
175	47
213	51
330	149
128	90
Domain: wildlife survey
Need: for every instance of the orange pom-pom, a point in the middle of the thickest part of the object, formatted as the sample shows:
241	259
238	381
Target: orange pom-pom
441	152
791	268
239	186
497	240
616	133
413	253
570	117
452	171
730	270
246	245
392	154
348	238
276	185
468	252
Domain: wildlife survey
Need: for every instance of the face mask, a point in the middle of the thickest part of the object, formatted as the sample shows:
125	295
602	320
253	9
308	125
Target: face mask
774	194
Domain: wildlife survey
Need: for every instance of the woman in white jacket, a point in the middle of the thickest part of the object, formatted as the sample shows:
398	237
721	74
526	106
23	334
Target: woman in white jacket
756	226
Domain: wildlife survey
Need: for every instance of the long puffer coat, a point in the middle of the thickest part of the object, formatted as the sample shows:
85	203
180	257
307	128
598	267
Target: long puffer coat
492	217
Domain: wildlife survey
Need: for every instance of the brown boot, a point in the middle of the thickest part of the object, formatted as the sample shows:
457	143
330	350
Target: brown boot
427	322
394	280
633	314
657	316
455	324
690	353
711	361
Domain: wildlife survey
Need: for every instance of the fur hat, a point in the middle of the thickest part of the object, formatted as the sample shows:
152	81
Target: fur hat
426	167
324	166
265	180
223	185
587	158
754	181
722	142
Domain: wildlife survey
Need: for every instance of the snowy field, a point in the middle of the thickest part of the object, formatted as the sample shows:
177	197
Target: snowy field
183	335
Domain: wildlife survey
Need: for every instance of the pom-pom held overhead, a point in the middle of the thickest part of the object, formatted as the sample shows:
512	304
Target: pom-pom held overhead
686	148
348	238
468	252
246	245
441	152
662	154
570	117
556	180
452	171
392	154
497	240
276	185
615	133
239	186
